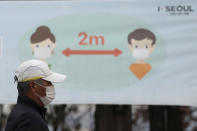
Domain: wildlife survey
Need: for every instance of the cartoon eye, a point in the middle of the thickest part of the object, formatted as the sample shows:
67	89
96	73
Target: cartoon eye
48	46
37	46
146	46
136	46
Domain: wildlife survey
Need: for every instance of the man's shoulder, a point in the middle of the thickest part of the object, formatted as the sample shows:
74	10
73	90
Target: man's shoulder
25	117
23	110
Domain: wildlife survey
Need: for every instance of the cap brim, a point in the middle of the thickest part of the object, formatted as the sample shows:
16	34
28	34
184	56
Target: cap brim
55	77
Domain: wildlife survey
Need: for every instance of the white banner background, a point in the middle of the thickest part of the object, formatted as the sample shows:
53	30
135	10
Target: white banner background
106	79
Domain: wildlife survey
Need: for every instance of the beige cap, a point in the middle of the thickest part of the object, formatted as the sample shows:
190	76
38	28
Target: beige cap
36	69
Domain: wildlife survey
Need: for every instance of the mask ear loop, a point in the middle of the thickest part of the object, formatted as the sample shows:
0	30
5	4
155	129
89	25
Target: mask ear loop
36	92
40	85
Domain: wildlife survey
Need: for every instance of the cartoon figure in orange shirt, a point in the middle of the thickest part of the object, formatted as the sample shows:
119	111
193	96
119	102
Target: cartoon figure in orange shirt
141	44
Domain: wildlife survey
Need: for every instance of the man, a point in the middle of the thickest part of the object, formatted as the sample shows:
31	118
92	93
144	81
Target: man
141	43
35	91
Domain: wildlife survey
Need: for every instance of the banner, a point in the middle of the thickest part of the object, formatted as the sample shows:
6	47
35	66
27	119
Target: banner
112	52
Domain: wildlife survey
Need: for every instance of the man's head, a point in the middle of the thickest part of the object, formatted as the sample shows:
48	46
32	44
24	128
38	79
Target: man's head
36	90
141	43
35	81
42	42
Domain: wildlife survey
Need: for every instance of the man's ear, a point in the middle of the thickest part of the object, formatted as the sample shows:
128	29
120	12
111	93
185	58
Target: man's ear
152	48
31	85
130	47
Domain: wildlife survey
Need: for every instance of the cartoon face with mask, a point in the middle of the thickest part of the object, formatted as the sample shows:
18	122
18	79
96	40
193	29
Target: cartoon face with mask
42	43
141	43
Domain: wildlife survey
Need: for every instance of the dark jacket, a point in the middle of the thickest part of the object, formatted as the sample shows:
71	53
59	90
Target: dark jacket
27	116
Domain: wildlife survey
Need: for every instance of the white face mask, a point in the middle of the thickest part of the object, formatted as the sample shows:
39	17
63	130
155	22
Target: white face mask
50	95
42	52
140	53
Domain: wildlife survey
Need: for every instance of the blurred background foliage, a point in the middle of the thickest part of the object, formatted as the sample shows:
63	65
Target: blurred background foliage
115	118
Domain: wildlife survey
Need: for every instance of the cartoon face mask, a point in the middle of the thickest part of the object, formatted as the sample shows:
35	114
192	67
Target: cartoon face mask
43	49
42	52
141	53
141	49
